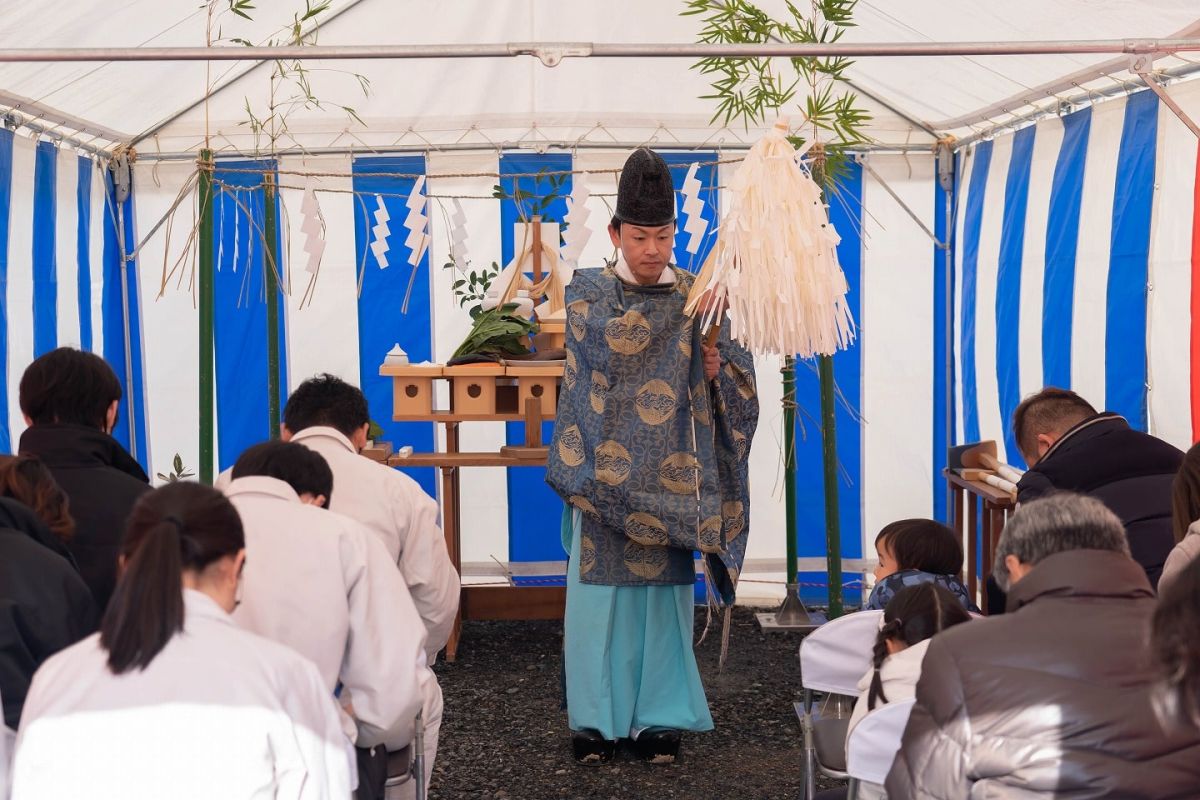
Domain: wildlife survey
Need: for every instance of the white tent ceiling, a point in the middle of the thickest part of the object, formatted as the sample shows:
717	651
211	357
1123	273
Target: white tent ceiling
515	101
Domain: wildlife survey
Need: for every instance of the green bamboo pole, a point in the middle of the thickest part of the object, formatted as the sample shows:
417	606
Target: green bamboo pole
829	455
206	303
833	529
271	269
789	462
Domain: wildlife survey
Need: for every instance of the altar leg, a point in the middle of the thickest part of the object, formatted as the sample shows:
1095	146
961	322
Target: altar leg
450	527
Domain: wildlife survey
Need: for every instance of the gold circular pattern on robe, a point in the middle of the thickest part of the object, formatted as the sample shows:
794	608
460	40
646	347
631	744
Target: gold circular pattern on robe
710	535
570	371
743	381
680	473
685	340
628	334
655	402
741	444
645	562
584	505
700	408
577	313
734	516
645	529
599	392
613	463
587	555
570	446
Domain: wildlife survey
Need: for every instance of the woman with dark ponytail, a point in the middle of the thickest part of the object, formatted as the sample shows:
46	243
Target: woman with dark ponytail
912	617
171	698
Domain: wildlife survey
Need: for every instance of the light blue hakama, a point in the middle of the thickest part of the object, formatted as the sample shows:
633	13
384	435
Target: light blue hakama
628	654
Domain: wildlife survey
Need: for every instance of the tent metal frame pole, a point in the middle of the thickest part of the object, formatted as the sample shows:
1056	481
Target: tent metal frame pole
552	53
131	397
13	119
540	147
1077	100
1064	83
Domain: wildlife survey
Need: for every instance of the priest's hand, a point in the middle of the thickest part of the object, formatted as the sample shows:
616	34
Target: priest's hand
712	361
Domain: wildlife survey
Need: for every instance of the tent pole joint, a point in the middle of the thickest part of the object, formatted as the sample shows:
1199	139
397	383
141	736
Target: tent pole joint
1142	66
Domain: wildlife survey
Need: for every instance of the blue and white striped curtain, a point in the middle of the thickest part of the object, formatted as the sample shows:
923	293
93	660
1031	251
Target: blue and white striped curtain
1066	250
61	275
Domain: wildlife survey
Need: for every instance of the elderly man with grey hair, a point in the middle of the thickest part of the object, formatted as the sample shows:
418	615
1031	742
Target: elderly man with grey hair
1052	699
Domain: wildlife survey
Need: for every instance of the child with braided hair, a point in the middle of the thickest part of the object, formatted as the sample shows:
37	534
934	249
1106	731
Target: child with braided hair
912	617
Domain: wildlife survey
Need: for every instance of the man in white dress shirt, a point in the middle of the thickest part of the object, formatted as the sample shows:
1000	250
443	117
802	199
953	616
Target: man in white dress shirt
324	585
330	416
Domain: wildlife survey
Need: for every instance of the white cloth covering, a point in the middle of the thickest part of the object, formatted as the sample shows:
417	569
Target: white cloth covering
219	712
323	584
395	508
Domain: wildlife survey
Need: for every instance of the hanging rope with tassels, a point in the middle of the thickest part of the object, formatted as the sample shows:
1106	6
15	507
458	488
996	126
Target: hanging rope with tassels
775	259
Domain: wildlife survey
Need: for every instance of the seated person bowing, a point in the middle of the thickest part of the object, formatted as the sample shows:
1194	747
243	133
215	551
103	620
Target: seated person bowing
324	585
47	606
172	698
329	416
914	551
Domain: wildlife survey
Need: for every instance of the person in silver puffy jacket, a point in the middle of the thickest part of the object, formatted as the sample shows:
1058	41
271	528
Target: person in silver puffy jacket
1054	698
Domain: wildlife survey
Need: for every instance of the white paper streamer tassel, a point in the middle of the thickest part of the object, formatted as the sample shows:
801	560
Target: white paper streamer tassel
312	225
380	233
576	236
776	258
458	236
693	208
416	222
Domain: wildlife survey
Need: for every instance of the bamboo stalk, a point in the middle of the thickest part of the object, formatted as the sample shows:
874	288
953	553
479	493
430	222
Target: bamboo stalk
789	462
833	529
206	303
270	271
829	454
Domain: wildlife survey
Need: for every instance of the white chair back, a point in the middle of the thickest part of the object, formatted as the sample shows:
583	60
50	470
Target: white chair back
835	656
875	740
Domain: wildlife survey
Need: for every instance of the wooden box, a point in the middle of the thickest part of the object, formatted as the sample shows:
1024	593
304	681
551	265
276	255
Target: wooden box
412	388
537	380
474	388
553	332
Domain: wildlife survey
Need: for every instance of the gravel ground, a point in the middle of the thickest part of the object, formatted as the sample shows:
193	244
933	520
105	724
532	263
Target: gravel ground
504	735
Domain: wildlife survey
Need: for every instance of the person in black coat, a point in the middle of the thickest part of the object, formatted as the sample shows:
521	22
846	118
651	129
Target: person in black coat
44	604
70	399
1071	447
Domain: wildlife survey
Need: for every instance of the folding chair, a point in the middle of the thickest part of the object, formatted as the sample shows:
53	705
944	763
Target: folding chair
409	764
833	659
873	744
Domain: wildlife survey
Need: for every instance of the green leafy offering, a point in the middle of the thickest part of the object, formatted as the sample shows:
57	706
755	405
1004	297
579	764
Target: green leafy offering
496	333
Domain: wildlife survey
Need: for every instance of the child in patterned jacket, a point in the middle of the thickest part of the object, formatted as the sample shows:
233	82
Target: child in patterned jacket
913	551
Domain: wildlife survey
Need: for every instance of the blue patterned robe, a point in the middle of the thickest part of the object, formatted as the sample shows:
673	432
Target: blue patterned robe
653	454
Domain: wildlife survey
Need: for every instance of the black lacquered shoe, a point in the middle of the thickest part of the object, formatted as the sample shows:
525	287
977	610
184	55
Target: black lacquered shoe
591	748
657	745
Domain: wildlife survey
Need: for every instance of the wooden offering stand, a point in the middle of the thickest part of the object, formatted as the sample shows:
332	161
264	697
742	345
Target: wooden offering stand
976	502
481	393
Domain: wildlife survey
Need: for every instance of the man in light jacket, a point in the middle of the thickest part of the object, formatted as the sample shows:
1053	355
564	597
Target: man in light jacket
1052	699
323	584
330	416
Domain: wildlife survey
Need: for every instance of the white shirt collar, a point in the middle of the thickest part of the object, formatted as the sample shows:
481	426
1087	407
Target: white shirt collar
198	604
626	274
324	432
262	485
